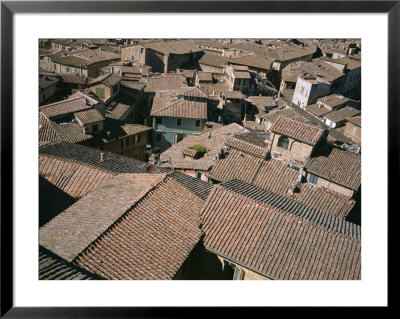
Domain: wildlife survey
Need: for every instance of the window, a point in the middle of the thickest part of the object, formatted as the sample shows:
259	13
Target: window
133	57
141	50
283	142
100	93
159	136
313	179
95	128
124	142
68	69
198	175
158	120
178	122
136	139
197	123
178	137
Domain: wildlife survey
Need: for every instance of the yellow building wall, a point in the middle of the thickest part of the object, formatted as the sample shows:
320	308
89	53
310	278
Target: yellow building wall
248	274
297	151
332	186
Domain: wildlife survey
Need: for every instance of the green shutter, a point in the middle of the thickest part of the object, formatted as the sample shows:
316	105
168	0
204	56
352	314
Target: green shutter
100	93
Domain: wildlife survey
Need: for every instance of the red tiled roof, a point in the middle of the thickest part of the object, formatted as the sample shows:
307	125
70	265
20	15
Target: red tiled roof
74	179
341	167
70	232
237	165
277	177
152	240
166	81
183	46
73	78
89	116
71	132
276	243
305	132
163	106
46	131
64	107
247	147
62	183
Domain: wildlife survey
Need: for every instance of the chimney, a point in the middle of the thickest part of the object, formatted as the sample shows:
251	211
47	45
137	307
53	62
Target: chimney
101	157
293	189
150	169
108	134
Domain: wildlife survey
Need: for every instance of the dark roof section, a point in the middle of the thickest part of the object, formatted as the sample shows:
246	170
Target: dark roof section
249	143
89	116
195	185
112	163
52	267
47	81
315	216
70	232
73	78
61	183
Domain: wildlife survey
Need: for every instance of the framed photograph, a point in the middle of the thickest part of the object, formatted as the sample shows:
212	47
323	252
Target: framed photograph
162	125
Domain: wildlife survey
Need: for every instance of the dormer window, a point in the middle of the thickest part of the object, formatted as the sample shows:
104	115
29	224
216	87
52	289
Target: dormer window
283	142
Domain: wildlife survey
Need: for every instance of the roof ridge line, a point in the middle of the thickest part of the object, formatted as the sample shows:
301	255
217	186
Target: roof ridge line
168	106
63	101
318	214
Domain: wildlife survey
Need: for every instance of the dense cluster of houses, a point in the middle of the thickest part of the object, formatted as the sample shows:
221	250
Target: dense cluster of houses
200	159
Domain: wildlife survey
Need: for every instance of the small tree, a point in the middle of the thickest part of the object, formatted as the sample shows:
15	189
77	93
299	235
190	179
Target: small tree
199	148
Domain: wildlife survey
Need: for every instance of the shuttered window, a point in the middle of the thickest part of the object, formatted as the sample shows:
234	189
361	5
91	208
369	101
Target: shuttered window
100	93
313	179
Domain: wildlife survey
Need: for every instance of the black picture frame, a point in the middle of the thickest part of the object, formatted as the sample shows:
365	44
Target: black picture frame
9	8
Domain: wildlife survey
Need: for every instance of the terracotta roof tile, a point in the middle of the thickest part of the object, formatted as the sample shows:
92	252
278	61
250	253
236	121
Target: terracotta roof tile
341	167
152	240
237	165
73	78
166	81
51	267
305	132
242	142
277	243
172	157
70	232
62	182
71	132
112	163
89	116
342	114
163	106
277	177
213	60
46	131
195	185
174	47
64	107
259	61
